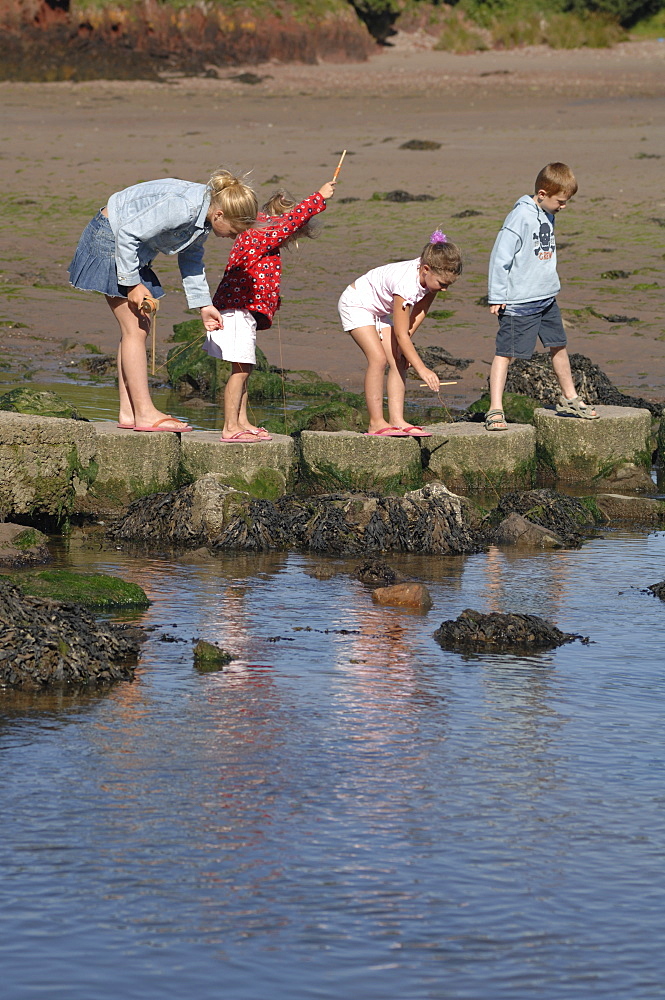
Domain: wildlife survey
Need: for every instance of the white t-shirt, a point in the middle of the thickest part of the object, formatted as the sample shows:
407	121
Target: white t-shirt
377	287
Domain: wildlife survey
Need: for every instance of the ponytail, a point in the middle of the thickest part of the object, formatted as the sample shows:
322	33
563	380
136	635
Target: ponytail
234	198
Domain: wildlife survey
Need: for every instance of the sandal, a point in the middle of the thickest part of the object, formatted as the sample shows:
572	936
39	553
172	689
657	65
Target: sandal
495	421
575	407
415	430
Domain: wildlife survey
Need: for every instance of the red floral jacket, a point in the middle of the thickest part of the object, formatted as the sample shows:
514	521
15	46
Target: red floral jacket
252	276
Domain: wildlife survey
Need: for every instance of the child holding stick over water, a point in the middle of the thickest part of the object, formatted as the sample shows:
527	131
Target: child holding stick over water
248	298
114	256
382	311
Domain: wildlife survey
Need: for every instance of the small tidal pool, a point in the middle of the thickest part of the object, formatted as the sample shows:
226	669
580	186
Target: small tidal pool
348	811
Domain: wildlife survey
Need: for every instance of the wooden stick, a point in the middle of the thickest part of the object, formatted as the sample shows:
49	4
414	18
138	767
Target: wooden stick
339	165
423	385
149	306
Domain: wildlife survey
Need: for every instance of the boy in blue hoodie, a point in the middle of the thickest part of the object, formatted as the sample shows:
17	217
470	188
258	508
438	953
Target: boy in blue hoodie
523	283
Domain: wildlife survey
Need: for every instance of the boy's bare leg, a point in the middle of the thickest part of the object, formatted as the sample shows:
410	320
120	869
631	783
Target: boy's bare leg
367	340
561	366
233	393
564	376
498	375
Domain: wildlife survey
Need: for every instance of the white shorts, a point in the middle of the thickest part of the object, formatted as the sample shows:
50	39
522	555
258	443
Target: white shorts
353	313
237	341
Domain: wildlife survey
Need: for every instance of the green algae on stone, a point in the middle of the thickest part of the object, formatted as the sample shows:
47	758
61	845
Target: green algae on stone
208	657
38	403
93	590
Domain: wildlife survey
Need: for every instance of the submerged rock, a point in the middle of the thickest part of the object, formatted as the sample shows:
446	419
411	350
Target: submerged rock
209	513
208	657
376	573
45	643
658	589
478	632
92	590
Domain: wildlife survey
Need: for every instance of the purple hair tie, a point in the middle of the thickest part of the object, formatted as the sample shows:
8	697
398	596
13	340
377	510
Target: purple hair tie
438	237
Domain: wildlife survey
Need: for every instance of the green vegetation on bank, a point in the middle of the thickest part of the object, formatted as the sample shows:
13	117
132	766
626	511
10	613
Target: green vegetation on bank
468	25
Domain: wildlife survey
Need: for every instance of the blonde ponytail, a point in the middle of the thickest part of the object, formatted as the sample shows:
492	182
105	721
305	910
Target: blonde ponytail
235	199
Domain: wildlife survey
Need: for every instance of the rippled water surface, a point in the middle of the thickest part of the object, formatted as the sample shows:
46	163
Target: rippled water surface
348	811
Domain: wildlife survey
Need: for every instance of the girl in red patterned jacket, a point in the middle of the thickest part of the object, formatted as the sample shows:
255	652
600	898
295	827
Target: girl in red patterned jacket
248	298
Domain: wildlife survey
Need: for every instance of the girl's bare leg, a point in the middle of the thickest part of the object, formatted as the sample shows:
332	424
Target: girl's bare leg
368	341
136	406
243	420
235	390
396	378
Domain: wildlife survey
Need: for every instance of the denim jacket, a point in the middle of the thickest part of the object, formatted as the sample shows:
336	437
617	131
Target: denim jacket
165	216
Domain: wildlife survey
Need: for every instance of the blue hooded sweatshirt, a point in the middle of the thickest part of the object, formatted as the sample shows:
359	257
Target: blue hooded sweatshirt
523	261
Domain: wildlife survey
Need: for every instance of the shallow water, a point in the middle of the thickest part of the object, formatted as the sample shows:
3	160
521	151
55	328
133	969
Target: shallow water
348	810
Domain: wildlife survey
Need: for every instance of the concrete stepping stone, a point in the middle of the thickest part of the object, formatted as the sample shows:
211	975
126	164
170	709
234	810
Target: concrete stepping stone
466	457
46	464
264	469
131	465
346	460
614	448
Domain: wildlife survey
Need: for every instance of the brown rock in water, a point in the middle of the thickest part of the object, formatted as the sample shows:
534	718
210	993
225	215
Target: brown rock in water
518	530
21	546
404	595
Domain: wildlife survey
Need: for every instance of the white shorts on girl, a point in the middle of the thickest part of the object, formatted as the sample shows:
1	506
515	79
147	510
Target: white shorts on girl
353	313
236	341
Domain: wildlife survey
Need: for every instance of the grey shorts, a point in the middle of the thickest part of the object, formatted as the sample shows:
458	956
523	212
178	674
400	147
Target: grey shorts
518	334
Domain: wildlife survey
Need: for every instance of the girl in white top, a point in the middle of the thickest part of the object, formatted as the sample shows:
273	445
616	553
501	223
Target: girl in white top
382	310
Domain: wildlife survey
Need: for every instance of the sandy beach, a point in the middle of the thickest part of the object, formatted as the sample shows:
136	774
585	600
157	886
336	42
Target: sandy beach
498	117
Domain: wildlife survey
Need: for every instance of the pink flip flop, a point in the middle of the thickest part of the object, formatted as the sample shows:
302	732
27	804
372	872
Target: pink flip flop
173	430
261	434
240	437
125	427
388	432
414	430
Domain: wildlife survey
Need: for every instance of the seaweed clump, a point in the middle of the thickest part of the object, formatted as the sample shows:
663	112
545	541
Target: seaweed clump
209	513
536	378
477	632
46	643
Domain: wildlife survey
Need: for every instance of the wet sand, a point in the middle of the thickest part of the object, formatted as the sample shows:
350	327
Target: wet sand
498	117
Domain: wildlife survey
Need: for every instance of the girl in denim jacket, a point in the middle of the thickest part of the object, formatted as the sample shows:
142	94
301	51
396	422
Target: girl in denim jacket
116	250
